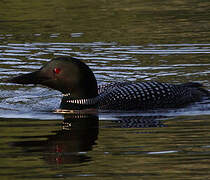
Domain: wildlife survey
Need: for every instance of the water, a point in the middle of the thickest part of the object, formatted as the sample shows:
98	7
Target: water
119	40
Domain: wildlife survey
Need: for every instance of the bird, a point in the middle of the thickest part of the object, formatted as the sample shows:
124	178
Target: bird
78	85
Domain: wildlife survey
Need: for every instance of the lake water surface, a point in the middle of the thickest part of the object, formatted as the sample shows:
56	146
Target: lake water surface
120	40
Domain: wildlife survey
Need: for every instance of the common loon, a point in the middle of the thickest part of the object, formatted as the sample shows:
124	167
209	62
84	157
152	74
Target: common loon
78	84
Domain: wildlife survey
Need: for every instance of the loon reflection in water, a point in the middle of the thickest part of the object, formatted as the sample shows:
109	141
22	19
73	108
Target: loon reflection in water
79	133
80	90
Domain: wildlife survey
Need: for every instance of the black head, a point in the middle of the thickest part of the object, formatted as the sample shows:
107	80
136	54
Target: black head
65	74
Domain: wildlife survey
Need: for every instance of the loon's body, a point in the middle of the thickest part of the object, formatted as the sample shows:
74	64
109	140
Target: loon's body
80	90
138	95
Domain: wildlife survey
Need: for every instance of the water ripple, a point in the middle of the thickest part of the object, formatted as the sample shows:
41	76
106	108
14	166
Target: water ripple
109	61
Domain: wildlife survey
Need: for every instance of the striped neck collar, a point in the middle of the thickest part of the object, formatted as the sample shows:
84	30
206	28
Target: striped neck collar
88	101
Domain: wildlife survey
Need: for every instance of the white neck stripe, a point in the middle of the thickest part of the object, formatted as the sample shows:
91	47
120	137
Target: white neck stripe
90	101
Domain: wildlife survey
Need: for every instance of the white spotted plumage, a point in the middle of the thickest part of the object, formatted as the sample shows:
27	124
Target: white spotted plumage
139	95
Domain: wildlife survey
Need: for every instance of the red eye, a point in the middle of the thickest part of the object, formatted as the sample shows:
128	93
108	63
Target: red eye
57	70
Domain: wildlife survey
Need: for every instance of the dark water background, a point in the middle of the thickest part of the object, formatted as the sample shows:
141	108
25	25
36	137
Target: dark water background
167	41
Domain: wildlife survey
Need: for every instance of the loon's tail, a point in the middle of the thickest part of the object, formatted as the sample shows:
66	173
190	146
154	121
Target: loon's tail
197	86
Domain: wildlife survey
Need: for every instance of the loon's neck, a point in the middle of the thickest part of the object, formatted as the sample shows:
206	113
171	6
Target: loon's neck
81	95
85	88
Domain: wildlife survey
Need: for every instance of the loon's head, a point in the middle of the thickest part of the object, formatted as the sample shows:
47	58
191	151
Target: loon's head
65	74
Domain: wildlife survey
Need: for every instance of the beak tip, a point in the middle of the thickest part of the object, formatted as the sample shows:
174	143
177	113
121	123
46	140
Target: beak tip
30	78
22	79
